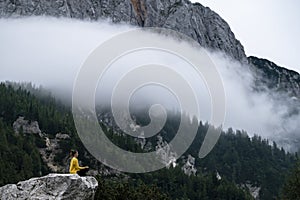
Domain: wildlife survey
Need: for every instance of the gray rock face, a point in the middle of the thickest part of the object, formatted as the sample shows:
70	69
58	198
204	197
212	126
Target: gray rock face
53	186
276	78
254	190
26	127
53	148
189	167
193	20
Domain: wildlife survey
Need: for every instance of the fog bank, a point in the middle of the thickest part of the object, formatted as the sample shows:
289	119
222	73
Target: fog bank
49	52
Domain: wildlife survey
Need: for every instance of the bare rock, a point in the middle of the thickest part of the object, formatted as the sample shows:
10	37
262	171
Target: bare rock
189	167
61	136
52	186
193	20
26	126
53	148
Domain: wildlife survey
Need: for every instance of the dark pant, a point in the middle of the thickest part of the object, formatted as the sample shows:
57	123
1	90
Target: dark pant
83	172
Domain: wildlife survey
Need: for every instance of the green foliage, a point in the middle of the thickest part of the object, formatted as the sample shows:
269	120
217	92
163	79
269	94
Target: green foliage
177	185
238	158
19	156
291	189
123	190
52	116
242	159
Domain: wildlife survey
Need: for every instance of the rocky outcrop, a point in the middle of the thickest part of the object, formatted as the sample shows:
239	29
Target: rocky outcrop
25	126
52	145
276	78
193	20
52	186
189	167
253	190
53	148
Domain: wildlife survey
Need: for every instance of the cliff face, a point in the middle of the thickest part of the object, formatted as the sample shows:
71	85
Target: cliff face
193	20
276	78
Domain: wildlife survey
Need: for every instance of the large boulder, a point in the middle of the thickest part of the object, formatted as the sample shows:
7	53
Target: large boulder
52	186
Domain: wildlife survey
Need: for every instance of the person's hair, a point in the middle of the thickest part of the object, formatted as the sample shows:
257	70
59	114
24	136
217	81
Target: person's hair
72	152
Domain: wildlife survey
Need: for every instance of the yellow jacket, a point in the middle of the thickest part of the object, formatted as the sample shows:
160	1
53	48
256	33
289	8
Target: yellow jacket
74	166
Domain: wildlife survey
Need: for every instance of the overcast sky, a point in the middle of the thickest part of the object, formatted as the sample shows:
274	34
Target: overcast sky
267	28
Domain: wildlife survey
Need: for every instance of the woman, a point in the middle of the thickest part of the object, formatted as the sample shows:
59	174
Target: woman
74	166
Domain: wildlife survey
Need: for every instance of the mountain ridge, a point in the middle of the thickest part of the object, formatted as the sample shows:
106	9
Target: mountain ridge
237	157
276	77
194	20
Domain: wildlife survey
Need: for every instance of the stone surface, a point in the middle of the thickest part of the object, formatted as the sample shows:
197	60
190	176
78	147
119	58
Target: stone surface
52	148
189	167
164	152
254	190
193	20
277	78
52	186
25	126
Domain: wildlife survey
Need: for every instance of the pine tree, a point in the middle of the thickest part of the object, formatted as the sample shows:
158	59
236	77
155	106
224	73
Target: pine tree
291	189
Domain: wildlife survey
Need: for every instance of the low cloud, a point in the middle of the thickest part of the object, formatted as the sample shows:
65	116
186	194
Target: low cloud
50	52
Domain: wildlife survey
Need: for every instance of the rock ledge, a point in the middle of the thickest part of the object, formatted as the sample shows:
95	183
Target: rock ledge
52	186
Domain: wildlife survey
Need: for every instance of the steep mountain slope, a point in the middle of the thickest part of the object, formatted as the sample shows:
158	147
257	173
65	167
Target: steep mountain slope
191	19
194	20
277	78
239	159
236	162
